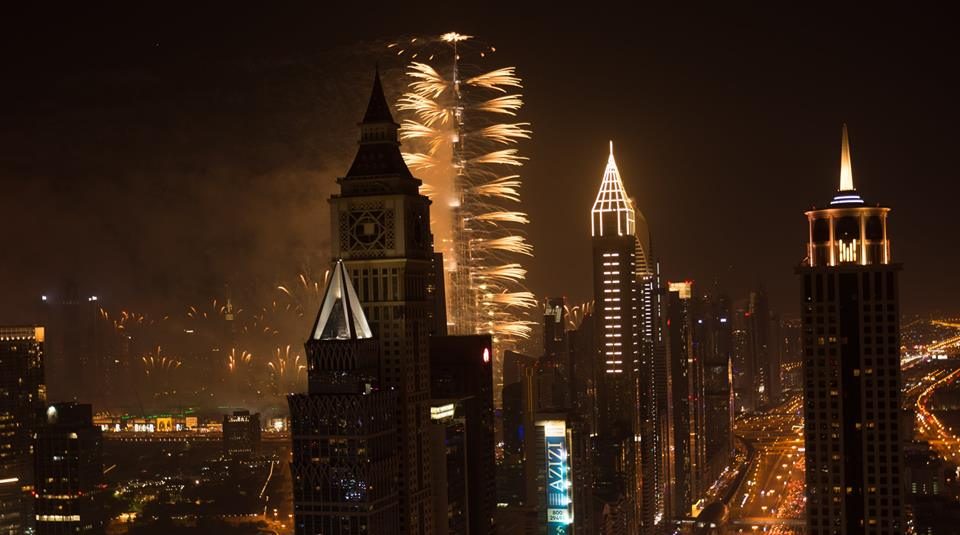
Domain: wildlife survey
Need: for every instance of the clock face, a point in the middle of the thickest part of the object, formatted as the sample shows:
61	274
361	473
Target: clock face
367	230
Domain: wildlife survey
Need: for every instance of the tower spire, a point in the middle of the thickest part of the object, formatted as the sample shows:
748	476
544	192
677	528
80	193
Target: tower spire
612	213
846	169
341	317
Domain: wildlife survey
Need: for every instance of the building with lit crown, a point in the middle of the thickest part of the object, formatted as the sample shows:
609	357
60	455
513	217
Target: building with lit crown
630	380
851	367
344	456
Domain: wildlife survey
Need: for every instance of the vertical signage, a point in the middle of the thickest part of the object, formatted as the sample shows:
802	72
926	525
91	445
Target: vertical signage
558	480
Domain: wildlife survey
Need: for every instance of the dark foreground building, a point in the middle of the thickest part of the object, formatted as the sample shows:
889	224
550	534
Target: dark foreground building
851	367
68	462
344	431
461	385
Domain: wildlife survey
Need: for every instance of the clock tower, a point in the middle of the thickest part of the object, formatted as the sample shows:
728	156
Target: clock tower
381	230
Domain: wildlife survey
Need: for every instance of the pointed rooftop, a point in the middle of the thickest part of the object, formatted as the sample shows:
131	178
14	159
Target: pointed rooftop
378	111
847	194
379	151
613	213
341	317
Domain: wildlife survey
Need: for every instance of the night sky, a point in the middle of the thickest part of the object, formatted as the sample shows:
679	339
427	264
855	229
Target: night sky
157	156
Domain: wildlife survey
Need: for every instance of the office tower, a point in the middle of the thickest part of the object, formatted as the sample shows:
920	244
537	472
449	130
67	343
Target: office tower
461	371
617	315
344	459
22	398
449	446
716	340
851	366
68	461
381	231
686	392
241	434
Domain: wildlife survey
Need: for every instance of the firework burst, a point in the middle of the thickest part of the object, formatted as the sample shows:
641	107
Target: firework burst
467	158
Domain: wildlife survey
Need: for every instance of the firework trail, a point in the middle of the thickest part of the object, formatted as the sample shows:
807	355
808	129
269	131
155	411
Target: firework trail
460	136
286	370
238	360
159	366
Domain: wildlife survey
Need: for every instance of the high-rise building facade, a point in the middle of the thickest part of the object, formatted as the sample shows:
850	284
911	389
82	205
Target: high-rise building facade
461	375
241	434
344	456
715	342
851	367
617	317
686	398
68	462
381	230
22	398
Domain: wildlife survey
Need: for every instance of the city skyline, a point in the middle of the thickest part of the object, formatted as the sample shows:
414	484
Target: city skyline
283	278
684	98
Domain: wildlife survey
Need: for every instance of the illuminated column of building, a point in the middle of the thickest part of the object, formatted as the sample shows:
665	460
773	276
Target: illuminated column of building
625	303
851	367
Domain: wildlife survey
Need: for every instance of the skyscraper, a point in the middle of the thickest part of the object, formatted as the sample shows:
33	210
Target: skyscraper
22	397
686	391
715	336
461	374
345	459
616	302
381	230
68	462
851	366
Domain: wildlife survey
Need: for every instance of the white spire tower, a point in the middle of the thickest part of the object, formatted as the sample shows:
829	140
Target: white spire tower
612	211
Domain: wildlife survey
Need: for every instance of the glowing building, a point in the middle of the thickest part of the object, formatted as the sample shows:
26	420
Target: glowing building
461	138
381	227
631	372
22	397
686	390
344	456
851	367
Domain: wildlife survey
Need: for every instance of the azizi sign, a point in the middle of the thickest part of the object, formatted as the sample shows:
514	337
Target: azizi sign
559	500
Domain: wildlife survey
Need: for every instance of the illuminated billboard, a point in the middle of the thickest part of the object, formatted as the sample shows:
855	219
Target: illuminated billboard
558	484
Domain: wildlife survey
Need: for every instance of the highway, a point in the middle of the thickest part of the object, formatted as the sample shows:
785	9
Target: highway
770	497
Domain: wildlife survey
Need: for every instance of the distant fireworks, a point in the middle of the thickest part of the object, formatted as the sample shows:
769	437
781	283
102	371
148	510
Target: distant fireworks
155	364
287	369
238	360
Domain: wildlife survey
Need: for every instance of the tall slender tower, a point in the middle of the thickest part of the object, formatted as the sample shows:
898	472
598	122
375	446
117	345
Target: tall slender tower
344	429
851	366
381	230
616	291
